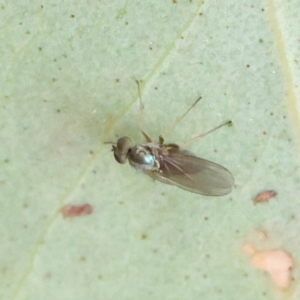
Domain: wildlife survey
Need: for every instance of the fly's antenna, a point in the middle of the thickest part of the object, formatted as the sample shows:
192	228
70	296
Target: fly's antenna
110	143
229	123
169	129
141	104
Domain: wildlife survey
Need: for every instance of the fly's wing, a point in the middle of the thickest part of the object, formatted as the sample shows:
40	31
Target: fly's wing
182	168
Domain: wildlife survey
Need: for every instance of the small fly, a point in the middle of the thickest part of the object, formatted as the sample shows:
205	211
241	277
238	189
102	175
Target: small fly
173	165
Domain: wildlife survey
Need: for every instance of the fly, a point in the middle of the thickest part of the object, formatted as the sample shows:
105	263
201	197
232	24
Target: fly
172	164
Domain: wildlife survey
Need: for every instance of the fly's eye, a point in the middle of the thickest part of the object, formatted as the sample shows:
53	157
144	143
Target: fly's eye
122	149
123	144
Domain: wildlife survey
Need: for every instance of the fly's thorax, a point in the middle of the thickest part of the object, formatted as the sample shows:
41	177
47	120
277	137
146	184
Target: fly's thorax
122	149
141	157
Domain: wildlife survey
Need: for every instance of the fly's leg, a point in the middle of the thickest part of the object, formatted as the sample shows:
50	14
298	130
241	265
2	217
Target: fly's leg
161	140
229	123
141	118
168	130
147	137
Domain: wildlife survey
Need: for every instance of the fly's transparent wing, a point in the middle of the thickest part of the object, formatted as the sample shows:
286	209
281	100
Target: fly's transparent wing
187	171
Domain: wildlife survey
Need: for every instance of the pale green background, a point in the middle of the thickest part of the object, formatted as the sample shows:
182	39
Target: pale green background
68	71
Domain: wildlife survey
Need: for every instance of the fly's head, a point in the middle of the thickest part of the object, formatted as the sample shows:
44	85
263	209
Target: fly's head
122	149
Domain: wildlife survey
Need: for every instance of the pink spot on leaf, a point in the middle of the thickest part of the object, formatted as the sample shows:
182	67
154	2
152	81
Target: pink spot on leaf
71	211
264	196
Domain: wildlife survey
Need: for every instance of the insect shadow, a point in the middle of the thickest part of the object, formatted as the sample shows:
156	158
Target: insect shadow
172	164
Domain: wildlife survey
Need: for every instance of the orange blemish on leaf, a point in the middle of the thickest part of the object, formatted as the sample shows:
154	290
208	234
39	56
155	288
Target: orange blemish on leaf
278	263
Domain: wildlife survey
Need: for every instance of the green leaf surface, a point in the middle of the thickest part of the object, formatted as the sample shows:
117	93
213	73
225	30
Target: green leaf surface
68	72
